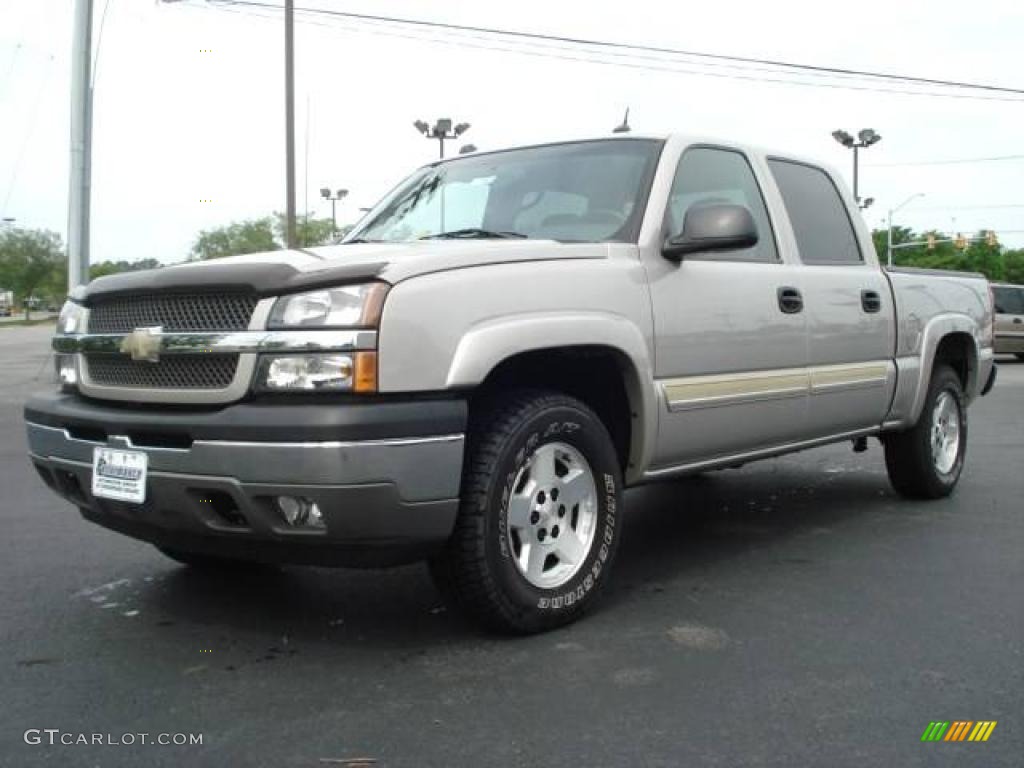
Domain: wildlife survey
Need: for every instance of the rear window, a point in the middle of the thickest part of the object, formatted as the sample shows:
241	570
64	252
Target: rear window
1009	301
824	233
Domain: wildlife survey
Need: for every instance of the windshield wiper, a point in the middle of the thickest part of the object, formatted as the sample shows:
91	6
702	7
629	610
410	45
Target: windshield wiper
359	240
473	233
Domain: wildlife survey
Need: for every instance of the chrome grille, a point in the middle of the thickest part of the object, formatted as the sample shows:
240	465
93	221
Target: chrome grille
174	312
208	371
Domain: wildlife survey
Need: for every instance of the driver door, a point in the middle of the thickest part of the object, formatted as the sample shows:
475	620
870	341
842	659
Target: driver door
730	351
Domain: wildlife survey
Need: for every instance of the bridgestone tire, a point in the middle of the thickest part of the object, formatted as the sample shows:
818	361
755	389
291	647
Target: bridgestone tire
478	570
910	455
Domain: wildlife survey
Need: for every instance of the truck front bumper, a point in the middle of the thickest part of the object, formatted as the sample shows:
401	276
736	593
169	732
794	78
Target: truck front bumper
384	475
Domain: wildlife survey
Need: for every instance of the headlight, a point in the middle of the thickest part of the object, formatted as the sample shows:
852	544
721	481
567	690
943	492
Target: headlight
328	372
350	306
71	319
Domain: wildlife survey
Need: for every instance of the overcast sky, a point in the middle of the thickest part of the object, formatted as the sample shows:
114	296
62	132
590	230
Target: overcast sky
175	125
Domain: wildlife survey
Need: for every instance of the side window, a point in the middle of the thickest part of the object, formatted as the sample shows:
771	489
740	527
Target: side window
824	233
708	176
1009	301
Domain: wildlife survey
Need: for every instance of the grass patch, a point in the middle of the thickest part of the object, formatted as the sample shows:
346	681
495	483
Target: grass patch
5	323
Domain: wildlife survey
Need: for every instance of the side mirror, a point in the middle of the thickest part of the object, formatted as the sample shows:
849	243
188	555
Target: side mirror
712	228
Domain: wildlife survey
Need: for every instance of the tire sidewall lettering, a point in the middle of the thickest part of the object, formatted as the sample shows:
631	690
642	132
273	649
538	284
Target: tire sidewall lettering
589	576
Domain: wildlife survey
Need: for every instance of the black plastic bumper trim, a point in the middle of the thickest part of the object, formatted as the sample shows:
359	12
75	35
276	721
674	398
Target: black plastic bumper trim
257	422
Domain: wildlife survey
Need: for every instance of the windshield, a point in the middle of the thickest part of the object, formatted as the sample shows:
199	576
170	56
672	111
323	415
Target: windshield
591	191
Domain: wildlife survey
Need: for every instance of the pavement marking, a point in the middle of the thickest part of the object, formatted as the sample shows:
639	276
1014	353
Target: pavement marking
698	637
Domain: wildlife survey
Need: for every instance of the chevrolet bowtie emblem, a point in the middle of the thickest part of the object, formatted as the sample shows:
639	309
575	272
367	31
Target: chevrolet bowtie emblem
143	344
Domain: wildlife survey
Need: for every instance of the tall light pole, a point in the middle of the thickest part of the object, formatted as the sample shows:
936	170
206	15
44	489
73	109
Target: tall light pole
888	249
341	194
81	145
289	122
868	137
441	130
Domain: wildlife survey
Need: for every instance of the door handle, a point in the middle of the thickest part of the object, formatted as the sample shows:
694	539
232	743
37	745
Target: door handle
870	301
790	300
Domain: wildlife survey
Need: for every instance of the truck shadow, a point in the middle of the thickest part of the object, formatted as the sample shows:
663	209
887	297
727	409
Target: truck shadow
684	528
673	530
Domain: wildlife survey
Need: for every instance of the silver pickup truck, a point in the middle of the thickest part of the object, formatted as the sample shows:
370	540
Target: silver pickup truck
501	346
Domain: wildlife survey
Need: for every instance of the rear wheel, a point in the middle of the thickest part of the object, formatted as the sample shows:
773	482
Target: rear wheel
925	461
539	520
1020	355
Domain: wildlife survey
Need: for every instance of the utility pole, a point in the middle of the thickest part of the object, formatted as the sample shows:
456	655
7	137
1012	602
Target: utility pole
868	137
81	145
289	121
441	130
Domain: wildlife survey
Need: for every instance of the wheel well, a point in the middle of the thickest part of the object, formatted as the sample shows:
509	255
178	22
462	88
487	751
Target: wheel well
597	375
957	351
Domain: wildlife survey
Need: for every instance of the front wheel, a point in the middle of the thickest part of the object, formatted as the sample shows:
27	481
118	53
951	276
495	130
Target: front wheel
539	520
925	461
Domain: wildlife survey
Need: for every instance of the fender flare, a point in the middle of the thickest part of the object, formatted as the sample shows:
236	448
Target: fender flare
938	328
489	343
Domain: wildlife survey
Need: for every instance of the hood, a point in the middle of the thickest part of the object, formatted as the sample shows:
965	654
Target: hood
277	272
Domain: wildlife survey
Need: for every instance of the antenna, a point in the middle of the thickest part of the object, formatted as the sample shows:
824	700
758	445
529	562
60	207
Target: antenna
623	127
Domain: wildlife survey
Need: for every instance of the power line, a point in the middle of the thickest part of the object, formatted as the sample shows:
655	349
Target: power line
575	41
592	60
960	161
99	43
1001	206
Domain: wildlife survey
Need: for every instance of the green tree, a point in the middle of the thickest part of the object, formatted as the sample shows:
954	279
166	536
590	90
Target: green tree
249	236
258	235
308	231
30	260
103	268
1013	266
986	258
880	237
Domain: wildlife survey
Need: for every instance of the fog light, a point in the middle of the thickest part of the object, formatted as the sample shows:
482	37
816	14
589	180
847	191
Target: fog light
67	372
306	372
300	512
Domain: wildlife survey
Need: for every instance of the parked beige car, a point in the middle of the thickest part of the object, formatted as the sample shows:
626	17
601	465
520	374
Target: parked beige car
1009	328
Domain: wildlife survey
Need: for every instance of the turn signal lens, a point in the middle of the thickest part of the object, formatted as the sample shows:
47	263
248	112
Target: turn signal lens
366	372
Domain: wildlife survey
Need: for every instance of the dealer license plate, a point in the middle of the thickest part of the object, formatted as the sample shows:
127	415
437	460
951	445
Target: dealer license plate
119	475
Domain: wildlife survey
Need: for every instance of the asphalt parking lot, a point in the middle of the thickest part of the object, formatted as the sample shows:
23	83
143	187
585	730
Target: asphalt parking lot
793	613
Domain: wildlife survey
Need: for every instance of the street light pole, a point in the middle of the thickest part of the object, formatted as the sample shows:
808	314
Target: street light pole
891	212
81	145
441	130
289	121
341	194
868	137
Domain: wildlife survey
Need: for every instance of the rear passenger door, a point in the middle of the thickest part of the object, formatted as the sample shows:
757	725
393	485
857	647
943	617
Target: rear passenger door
847	302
